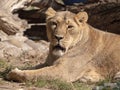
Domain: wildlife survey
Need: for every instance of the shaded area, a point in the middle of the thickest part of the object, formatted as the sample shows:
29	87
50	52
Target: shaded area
105	17
32	16
36	32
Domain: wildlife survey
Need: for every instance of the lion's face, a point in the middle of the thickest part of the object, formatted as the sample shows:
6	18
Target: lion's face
64	30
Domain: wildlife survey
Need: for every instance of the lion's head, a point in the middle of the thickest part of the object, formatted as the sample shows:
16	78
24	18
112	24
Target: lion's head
64	30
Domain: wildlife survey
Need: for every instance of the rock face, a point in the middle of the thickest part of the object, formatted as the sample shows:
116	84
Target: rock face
13	45
105	17
10	23
19	52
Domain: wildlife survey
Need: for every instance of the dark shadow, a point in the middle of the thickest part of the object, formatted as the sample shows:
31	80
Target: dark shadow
36	32
32	16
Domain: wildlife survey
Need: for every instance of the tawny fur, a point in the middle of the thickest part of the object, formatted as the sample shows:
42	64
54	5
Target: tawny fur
90	54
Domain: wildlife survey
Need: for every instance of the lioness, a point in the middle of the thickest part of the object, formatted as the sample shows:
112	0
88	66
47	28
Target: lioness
77	51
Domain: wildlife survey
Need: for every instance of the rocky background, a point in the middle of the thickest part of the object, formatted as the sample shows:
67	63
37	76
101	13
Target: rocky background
23	39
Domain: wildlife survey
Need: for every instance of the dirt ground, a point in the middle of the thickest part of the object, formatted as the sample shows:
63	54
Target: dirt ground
6	85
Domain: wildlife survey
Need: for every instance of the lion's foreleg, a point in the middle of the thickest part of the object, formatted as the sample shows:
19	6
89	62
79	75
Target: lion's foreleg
24	75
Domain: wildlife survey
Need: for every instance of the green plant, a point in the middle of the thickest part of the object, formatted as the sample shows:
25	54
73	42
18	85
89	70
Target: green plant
2	64
5	72
82	86
52	84
59	84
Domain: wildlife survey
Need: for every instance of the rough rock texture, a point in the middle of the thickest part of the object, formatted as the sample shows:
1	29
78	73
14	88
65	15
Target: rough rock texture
105	17
15	51
10	23
13	45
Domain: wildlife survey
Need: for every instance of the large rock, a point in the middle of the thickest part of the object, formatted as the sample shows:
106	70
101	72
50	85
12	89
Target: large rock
3	36
19	48
8	50
105	17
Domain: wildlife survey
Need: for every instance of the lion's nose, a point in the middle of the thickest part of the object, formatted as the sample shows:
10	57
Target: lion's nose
58	37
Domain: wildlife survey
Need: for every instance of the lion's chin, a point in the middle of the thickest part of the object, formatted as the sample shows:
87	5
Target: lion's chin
58	51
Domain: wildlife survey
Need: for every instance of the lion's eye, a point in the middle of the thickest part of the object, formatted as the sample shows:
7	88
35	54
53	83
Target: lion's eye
70	27
53	24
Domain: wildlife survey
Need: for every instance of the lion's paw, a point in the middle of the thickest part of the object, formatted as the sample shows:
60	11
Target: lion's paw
85	79
90	79
16	75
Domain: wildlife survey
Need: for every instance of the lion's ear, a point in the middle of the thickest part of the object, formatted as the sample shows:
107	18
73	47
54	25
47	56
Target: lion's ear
82	16
50	12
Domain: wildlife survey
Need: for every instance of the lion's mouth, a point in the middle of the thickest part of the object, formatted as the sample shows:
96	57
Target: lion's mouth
58	47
